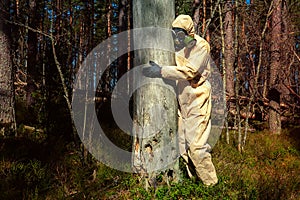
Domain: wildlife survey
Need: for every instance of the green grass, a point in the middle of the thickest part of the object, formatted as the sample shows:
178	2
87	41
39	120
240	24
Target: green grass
268	168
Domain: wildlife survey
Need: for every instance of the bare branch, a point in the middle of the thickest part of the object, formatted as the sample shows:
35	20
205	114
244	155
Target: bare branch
29	28
211	16
296	55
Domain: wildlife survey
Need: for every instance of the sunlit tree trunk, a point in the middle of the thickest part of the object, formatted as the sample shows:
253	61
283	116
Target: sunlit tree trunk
229	53
153	148
274	92
204	16
223	68
7	115
237	72
17	6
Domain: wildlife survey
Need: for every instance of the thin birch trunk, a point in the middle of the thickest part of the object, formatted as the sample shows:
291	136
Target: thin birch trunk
237	83
224	71
62	79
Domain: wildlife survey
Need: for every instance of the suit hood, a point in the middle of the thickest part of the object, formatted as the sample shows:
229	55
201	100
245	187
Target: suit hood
185	22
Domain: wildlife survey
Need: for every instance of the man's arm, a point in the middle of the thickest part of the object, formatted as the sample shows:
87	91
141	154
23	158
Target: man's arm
187	68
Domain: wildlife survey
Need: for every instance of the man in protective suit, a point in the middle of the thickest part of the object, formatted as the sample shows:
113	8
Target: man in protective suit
194	96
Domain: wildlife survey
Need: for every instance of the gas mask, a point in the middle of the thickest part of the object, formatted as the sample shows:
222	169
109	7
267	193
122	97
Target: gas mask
182	39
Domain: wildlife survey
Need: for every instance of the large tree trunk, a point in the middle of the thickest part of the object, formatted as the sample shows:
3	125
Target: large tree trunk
155	105
274	92
7	116
229	53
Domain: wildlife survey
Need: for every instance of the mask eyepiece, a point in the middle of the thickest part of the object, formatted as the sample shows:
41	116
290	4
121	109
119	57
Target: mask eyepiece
182	39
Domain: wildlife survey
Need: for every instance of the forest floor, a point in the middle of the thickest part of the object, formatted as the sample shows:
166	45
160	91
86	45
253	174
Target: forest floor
32	168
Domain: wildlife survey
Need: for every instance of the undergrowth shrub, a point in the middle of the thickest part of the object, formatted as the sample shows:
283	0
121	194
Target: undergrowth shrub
268	168
24	179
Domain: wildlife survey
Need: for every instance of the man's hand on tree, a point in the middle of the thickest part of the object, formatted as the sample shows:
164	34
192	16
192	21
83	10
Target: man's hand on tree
154	71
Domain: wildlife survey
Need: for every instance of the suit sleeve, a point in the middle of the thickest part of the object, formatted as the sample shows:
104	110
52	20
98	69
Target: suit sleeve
187	68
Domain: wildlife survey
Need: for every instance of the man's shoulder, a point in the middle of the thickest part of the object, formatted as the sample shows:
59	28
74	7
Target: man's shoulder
201	42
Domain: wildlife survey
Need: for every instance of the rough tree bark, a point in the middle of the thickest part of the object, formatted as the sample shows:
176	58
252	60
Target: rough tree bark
155	105
196	15
229	53
286	54
274	93
7	115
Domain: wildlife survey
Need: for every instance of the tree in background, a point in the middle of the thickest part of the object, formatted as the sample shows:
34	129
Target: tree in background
267	72
275	66
7	113
229	55
78	26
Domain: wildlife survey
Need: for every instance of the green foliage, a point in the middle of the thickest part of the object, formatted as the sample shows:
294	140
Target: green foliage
183	7
27	179
267	169
46	165
294	10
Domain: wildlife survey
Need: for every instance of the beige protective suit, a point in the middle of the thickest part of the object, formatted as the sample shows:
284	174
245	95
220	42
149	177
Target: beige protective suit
194	96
